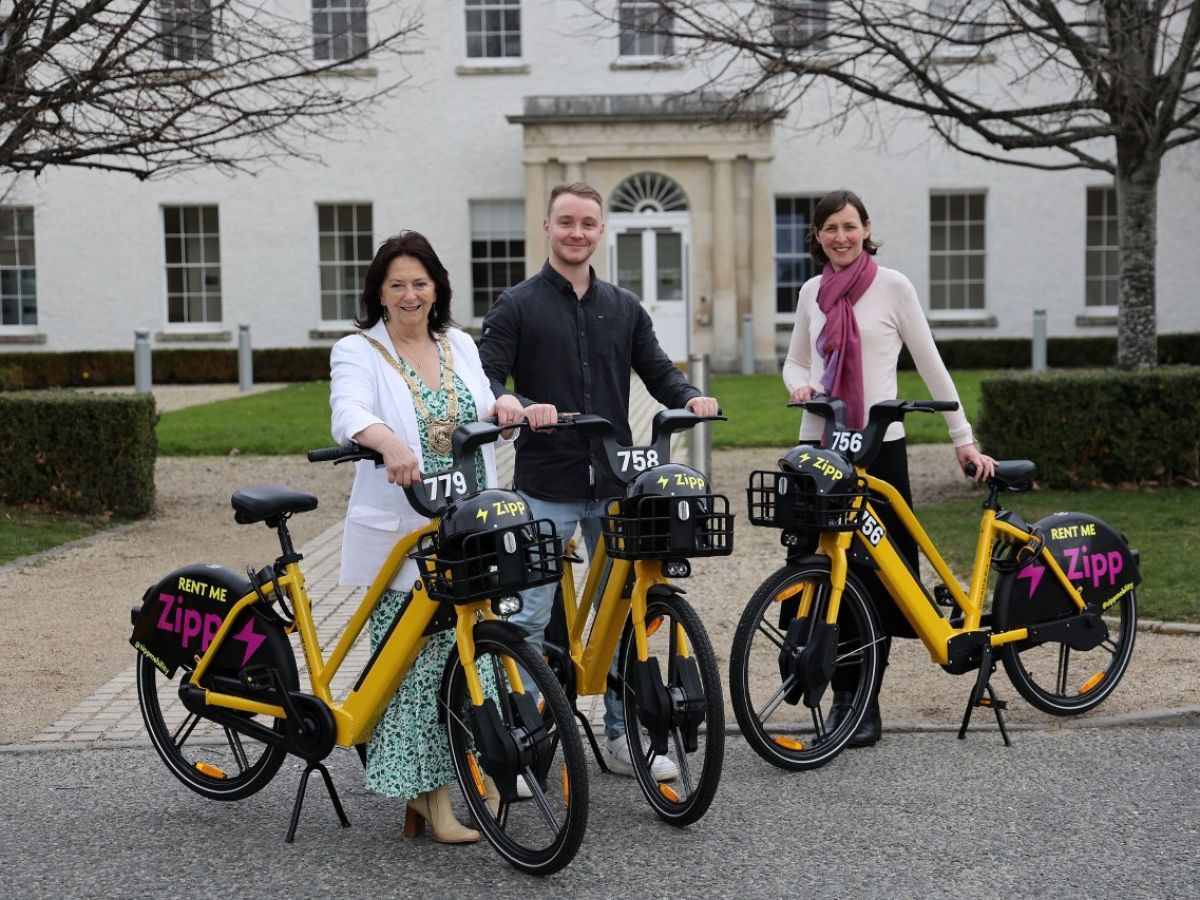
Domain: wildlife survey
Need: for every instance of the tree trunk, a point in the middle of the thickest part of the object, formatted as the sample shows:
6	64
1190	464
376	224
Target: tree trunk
1137	211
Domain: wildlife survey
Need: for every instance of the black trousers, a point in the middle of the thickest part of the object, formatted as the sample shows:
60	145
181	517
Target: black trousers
891	465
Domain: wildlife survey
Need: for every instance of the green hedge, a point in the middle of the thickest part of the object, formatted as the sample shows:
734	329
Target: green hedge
78	452
1061	352
1094	428
32	371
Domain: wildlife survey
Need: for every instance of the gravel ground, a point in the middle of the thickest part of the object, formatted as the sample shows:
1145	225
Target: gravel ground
67	611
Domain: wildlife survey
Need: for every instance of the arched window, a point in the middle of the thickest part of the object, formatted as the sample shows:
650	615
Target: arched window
648	192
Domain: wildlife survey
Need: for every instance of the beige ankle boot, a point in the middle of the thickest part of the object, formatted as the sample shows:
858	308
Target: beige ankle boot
492	794
434	807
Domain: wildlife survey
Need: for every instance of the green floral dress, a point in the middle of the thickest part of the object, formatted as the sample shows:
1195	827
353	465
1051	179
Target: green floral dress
408	753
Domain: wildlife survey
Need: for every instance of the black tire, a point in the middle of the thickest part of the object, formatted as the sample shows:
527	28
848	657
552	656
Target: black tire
540	835
213	760
790	735
687	797
1061	681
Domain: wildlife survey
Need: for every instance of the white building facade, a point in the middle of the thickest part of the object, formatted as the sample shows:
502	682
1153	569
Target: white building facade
506	98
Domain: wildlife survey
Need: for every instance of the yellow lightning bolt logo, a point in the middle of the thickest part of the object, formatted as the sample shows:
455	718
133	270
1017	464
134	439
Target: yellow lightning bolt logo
804	457
482	514
662	481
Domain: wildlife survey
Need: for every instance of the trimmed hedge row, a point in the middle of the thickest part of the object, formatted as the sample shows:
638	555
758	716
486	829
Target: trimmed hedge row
78	452
1061	352
104	368
1094	428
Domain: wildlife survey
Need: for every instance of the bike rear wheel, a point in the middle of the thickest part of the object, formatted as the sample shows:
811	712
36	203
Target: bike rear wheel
539	835
688	720
1059	680
213	760
765	692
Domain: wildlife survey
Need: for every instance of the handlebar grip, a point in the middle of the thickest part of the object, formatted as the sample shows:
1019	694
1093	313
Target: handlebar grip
969	470
329	454
935	405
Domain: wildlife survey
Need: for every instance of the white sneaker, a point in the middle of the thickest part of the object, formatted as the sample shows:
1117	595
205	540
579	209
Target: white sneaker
616	757
523	790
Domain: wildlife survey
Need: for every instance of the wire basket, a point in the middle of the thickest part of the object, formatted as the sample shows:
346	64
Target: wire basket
656	527
489	564
800	502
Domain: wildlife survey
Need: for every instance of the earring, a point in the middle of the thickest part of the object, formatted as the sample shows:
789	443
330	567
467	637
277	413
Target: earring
383	314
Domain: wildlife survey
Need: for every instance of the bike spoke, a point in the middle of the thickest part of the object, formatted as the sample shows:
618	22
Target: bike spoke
685	769
539	797
772	704
184	729
771	633
235	746
1064	662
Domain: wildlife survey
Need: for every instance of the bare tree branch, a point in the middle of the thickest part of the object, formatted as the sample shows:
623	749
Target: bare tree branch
155	87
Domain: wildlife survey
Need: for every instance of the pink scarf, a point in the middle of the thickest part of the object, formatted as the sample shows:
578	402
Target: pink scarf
839	343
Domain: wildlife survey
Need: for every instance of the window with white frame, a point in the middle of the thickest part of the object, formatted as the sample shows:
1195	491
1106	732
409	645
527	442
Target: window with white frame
1102	258
957	247
641	24
339	28
497	250
192	237
794	265
493	29
346	238
801	24
185	29
18	267
959	20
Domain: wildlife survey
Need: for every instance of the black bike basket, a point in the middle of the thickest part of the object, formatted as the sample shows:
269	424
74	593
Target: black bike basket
799	502
657	527
488	564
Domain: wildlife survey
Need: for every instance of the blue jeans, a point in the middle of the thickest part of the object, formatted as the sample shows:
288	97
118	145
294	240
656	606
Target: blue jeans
539	601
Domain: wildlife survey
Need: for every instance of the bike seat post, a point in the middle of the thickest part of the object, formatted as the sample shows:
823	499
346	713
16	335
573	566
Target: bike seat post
287	550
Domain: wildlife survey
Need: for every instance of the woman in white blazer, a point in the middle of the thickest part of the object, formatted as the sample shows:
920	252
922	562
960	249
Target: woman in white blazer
400	386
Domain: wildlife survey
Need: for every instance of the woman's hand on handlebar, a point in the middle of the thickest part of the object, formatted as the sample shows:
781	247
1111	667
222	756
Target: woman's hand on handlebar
802	394
982	465
508	411
704	407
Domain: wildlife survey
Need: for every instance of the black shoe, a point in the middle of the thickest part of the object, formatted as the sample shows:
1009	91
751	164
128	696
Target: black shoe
869	728
842	705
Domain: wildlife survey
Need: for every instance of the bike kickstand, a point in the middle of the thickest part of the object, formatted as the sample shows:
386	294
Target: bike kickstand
983	685
333	795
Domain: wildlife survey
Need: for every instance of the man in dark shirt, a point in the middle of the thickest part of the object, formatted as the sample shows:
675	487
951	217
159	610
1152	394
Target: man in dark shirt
570	342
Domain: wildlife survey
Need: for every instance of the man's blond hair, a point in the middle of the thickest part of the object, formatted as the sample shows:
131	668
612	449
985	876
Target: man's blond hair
579	189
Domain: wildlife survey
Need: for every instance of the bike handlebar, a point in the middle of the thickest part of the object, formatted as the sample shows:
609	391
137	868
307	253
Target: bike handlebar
866	447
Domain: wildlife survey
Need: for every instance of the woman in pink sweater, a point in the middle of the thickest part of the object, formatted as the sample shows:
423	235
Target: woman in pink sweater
851	321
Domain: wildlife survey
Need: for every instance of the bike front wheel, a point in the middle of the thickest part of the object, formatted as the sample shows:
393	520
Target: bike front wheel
1058	679
522	746
771	684
679	719
213	760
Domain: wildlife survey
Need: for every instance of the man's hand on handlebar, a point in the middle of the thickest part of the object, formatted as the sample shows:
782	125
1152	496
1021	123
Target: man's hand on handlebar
705	407
983	466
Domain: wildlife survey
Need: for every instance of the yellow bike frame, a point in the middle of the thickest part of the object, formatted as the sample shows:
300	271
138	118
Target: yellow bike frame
918	608
356	715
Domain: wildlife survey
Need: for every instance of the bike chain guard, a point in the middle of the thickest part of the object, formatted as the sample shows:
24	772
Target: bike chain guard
662	708
507	752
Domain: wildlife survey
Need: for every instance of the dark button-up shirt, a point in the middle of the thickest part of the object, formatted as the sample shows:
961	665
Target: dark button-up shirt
576	354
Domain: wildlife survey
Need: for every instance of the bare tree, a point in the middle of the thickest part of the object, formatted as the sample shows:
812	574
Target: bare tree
1110	85
153	87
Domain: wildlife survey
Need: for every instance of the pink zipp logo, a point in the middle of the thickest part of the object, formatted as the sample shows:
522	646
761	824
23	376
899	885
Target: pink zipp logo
190	624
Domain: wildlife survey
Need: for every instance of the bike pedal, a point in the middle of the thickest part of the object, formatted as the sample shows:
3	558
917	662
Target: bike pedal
257	678
942	595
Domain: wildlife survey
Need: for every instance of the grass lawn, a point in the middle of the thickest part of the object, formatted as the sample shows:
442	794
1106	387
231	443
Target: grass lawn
1159	523
760	417
274	423
26	531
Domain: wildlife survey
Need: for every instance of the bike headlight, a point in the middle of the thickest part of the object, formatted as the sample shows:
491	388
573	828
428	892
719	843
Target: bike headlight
507	606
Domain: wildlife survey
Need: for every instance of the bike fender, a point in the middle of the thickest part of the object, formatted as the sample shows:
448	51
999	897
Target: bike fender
499	629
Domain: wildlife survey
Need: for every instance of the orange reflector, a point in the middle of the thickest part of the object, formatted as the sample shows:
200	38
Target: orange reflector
667	791
476	775
653	625
788	743
789	592
1091	682
566	786
210	770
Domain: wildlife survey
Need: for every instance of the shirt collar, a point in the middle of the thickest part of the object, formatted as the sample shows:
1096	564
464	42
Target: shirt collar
562	285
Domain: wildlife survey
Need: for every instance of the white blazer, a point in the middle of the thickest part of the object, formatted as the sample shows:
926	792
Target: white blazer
366	390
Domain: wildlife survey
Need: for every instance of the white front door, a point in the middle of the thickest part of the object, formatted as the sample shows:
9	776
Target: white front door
649	255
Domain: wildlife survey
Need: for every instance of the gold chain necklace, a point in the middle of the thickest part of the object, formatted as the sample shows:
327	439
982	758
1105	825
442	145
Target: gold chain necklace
439	430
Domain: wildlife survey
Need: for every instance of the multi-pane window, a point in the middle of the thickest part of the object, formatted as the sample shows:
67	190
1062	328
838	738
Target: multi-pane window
493	29
1102	259
802	24
497	250
193	253
959	20
956	251
339	28
18	271
185	29
794	265
641	24
346	237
